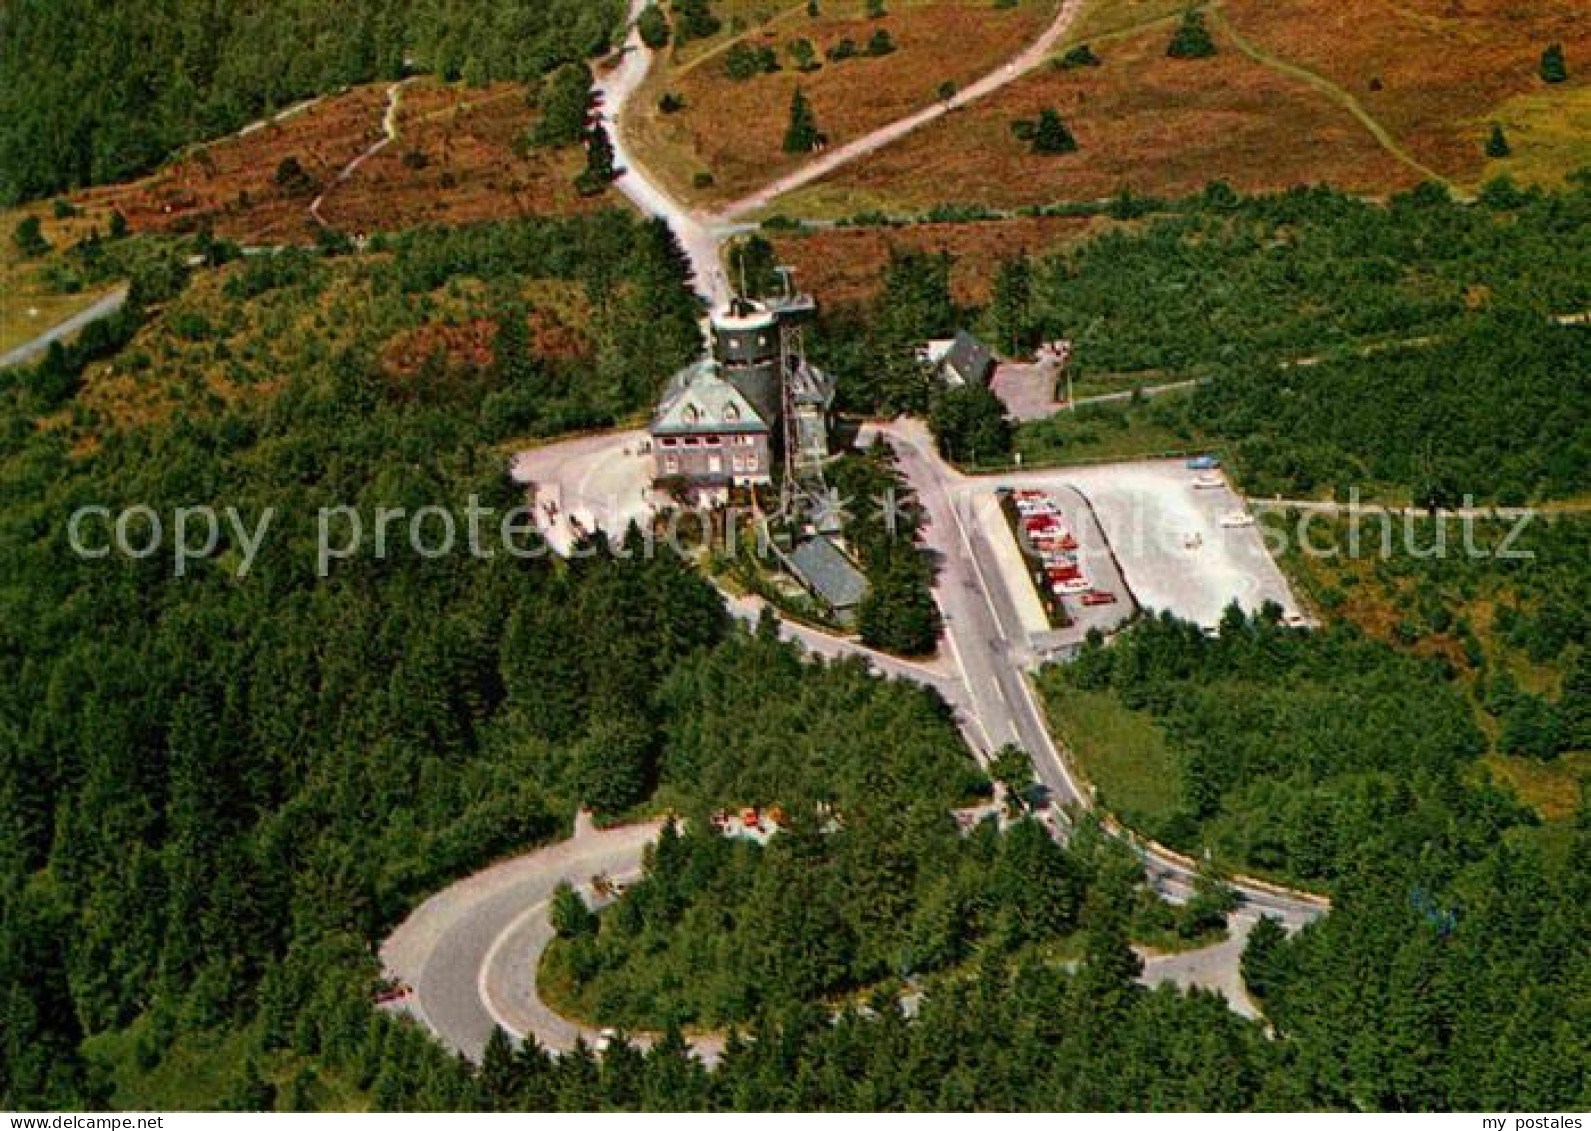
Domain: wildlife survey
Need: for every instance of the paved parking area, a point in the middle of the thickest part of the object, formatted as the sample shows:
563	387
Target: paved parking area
600	482
1168	537
1093	554
1028	390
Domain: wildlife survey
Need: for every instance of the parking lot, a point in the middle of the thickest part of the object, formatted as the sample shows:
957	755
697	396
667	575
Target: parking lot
600	482
1112	602
1167	534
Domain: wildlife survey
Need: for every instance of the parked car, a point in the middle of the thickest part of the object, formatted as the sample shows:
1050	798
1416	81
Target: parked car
1070	588
1237	519
1203	463
1099	597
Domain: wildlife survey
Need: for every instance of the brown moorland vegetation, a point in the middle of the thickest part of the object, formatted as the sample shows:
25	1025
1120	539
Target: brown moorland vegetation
456	160
734	129
231	183
1142	121
1431	71
844	266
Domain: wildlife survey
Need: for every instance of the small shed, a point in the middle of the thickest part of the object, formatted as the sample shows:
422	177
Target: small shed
962	360
825	572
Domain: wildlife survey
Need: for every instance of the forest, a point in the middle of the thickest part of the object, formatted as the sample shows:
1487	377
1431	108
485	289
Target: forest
1419	350
1412	348
1293	750
1509	620
98	93
204	775
218	794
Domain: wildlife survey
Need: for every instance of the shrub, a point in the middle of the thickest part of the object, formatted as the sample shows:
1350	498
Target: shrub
653	26
843	50
1553	67
1497	146
1080	56
1050	135
28	238
1192	39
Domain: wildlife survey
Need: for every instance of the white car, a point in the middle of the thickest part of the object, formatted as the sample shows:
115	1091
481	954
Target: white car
1237	519
1071	588
1208	483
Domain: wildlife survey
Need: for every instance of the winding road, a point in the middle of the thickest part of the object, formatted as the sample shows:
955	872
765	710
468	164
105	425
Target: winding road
389	134
470	953
697	237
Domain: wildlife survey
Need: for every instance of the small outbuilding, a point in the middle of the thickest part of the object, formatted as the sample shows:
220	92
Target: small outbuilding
960	361
825	572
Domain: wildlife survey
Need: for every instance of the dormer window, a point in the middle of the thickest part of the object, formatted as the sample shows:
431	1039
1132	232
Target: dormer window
692	414
731	413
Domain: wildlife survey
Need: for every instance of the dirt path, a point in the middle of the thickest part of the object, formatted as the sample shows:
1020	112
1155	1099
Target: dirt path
1034	56
1337	94
389	134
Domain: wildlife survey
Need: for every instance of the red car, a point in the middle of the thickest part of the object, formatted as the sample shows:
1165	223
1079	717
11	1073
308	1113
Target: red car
1099	597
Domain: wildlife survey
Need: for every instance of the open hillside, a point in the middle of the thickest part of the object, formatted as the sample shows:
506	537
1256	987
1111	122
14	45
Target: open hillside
1367	97
457	154
726	138
99	93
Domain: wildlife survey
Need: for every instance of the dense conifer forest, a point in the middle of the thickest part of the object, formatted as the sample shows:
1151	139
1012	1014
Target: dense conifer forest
219	793
96	93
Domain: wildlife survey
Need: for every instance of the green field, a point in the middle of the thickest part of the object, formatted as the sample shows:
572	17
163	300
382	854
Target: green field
1117	430
1122	753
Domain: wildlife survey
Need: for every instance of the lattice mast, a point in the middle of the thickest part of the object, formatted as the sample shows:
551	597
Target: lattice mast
803	477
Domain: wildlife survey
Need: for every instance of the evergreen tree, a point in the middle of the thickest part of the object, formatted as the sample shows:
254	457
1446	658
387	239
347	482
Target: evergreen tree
898	613
1011	307
653	26
694	19
28	238
802	135
599	171
1497	146
1554	68
571	918
564	103
1013	770
499	1074
1192	40
1050	135
1260	955
970	425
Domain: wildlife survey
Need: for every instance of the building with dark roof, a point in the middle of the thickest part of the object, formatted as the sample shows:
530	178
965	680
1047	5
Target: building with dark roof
962	360
720	422
825	572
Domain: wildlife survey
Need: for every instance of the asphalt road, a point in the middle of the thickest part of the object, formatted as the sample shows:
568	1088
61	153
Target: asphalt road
985	634
444	950
32	348
700	241
470	953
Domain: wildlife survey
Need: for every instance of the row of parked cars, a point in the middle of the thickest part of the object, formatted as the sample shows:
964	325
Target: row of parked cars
1045	529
